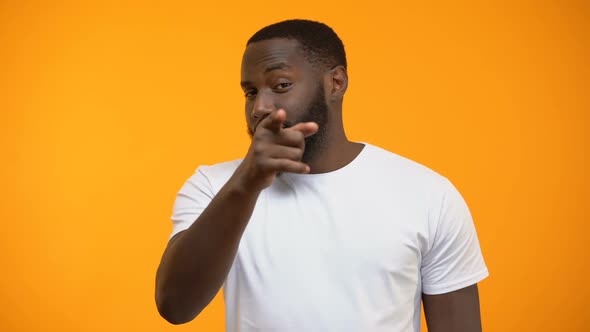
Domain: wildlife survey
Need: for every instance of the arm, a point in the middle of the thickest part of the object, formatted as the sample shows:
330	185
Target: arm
452	268
457	311
197	260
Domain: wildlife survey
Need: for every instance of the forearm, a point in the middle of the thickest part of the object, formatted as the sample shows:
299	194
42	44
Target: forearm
195	264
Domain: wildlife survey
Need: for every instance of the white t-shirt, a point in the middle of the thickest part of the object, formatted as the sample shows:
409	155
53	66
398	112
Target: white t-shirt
348	250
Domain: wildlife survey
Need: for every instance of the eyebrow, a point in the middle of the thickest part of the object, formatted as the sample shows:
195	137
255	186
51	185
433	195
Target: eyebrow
268	69
276	66
245	84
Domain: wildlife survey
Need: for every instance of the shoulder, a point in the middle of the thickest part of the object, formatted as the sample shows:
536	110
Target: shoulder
403	171
222	169
217	174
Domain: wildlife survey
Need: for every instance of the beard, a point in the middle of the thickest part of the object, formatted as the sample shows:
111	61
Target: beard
317	111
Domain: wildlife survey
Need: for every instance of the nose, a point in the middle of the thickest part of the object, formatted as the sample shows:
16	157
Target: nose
263	105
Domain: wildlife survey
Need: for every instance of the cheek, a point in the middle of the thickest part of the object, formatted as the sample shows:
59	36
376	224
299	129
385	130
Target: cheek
293	112
248	107
248	115
294	104
297	108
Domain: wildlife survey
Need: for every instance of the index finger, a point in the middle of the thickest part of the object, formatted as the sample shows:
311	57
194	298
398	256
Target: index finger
274	121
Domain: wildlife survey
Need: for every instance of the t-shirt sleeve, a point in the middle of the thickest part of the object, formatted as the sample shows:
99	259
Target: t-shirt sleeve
454	260
194	196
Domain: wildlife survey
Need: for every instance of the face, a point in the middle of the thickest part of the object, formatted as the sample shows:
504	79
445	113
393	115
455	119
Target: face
276	75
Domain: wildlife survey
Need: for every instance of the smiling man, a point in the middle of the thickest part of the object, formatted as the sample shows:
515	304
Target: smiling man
310	231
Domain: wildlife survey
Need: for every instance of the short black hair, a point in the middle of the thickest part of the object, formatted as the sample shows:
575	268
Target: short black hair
319	43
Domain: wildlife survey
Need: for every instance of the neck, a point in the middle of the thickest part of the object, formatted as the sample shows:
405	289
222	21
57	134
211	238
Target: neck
333	151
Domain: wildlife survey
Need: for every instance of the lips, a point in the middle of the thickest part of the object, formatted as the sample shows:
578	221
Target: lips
286	124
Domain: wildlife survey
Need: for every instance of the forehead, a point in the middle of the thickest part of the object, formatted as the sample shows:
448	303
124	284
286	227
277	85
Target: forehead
260	55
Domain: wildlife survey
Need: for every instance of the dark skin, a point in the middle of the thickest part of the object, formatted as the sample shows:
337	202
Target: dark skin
280	84
455	311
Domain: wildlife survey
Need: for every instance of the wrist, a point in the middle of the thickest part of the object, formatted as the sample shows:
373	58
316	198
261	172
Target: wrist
239	185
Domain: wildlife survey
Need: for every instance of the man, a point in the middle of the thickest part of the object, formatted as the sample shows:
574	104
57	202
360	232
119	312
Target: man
312	232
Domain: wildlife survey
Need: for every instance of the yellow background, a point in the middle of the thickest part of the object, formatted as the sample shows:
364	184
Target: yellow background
107	108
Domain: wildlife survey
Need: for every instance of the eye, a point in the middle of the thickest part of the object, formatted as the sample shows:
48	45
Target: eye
250	94
283	86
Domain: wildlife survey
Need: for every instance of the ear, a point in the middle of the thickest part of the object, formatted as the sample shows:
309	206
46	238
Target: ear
337	82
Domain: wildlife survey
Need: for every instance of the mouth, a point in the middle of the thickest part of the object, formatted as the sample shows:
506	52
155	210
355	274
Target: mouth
252	130
258	122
